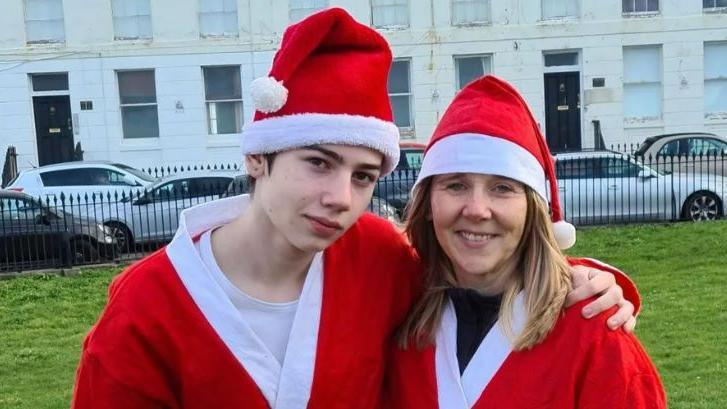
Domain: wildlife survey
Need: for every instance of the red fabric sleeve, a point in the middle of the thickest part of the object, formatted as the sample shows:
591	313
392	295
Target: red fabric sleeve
620	375
630	291
97	388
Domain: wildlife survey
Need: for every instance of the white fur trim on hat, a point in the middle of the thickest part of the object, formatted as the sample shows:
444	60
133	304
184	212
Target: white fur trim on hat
268	94
281	133
476	153
565	234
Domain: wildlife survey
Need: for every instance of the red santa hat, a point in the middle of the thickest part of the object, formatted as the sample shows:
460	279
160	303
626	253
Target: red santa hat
327	85
489	129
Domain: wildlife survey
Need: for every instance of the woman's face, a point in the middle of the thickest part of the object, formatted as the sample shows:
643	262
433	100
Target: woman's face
478	220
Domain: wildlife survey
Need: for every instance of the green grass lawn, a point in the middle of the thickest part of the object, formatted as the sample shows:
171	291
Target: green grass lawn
679	269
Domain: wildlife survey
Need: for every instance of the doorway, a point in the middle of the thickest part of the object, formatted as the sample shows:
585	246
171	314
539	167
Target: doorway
563	111
53	129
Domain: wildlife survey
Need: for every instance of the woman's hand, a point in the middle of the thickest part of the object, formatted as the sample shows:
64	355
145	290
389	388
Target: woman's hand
588	282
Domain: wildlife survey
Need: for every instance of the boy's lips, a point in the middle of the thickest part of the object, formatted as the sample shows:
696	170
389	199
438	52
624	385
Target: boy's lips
324	226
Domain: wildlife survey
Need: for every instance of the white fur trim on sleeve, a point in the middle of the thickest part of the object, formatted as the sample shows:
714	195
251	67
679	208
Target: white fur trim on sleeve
281	133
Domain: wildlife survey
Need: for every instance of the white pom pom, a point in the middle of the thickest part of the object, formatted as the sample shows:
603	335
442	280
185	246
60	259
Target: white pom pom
268	94
565	234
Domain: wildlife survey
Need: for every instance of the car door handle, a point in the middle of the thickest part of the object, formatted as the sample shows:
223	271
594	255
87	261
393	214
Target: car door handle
612	187
561	188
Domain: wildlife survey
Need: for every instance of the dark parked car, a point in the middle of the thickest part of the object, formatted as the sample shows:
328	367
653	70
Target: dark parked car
35	234
396	187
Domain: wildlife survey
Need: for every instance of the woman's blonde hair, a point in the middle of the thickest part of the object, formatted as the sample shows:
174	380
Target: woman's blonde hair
540	270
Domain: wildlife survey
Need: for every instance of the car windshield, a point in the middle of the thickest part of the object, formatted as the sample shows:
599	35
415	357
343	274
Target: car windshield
136	172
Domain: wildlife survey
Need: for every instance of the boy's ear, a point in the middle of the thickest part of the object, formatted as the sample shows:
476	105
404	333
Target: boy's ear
255	165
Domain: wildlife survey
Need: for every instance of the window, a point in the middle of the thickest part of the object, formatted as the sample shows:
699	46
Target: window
44	21
559	8
137	93
19	209
715	77
642	82
390	13
560	59
470	67
223	94
640	6
714	4
619	168
470	12
670	149
300	9
132	19
50	82
400	93
583	168
82	177
702	146
218	18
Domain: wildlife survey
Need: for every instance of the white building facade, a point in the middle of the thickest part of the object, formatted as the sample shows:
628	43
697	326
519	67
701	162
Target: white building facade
164	82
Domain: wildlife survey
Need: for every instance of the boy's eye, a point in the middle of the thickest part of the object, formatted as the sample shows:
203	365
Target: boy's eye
364	177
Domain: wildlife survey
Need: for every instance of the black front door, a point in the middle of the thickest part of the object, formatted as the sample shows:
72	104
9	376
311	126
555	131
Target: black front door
563	111
53	129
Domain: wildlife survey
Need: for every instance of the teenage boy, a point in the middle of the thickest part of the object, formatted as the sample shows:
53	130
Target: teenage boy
288	297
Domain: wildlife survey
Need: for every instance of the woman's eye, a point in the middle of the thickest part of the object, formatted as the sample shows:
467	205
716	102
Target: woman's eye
317	162
456	187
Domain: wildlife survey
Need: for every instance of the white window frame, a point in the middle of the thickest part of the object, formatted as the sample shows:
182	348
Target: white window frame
641	12
718	79
155	104
627	83
61	20
485	59
239	111
394	25
235	30
139	36
486	21
576	14
407	131
296	14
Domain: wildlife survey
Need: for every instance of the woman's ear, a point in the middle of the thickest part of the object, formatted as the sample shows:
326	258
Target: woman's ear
255	165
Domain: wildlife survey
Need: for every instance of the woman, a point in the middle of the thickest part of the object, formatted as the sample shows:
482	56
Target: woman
491	331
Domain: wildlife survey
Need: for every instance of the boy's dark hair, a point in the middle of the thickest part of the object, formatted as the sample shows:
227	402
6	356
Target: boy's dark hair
269	159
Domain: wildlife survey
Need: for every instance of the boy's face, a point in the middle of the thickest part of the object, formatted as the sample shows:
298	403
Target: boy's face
312	195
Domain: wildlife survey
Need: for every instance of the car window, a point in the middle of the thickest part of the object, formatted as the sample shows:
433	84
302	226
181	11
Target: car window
703	146
670	149
66	177
212	186
19	209
619	168
174	190
581	168
136	172
410	159
117	178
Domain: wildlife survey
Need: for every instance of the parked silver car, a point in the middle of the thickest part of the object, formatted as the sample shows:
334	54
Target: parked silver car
685	153
152	216
604	186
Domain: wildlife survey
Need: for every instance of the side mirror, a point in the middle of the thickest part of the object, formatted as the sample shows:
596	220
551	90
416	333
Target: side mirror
645	174
42	218
143	200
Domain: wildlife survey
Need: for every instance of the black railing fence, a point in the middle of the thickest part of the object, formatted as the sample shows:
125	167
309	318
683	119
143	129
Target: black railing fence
66	230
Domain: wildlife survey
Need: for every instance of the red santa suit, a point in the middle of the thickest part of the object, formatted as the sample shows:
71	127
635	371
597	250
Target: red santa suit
580	364
169	337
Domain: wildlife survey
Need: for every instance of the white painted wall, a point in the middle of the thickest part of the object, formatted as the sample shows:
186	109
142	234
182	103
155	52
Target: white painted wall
516	39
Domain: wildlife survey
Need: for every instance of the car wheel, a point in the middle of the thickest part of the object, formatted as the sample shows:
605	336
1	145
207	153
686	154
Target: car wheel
702	206
84	252
122	234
